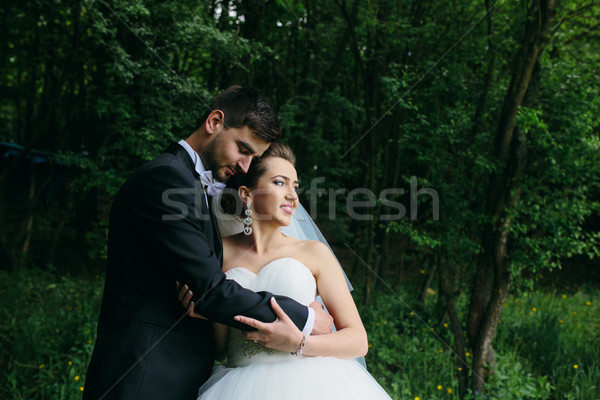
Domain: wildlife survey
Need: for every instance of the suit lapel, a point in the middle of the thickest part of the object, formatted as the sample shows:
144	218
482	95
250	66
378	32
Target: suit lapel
212	229
218	245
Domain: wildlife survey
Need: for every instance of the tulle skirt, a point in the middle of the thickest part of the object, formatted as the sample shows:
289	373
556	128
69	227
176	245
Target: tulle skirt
308	378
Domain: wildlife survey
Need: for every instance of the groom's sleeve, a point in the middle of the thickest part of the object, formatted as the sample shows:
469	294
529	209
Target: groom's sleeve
173	206
310	322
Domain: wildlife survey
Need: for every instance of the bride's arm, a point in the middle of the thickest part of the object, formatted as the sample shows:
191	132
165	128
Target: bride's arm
350	339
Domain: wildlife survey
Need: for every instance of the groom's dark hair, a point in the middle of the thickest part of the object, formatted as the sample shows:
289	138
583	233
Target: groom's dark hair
247	107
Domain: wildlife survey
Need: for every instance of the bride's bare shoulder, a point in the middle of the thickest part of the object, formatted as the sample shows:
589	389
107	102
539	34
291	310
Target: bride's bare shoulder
313	245
304	245
313	252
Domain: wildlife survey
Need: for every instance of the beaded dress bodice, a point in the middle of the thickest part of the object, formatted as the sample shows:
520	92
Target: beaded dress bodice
284	276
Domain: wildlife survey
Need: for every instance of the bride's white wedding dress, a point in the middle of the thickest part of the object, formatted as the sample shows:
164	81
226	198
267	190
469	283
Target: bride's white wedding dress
255	372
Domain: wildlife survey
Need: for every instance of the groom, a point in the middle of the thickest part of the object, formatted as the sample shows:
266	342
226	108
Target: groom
162	230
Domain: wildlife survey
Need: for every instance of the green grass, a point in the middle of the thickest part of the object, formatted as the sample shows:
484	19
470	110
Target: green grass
547	345
47	333
558	334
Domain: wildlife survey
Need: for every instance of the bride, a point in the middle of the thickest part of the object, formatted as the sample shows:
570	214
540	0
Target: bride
263	258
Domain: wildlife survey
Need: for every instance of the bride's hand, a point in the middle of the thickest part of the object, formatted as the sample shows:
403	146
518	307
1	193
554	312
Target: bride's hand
280	334
185	298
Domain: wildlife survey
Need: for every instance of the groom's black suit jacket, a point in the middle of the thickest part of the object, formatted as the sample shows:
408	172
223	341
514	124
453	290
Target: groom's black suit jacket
162	230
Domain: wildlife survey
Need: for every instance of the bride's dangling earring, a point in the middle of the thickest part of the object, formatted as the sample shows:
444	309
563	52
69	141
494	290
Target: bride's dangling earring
248	220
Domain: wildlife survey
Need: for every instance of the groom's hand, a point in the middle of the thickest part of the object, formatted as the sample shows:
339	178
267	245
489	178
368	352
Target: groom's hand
184	295
323	321
280	334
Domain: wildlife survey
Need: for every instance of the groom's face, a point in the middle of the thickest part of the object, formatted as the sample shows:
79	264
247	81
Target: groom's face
231	151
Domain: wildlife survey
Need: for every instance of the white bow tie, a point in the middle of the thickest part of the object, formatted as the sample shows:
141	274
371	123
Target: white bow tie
210	185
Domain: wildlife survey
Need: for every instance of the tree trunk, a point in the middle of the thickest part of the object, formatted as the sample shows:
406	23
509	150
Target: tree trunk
56	235
384	259
449	297
489	73
28	223
503	194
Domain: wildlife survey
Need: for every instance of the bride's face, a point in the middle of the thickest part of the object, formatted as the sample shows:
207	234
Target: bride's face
274	197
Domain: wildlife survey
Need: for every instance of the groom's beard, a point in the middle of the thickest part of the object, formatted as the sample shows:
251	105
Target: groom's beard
210	160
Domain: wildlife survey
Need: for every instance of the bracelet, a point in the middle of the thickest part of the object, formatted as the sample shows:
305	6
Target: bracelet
298	352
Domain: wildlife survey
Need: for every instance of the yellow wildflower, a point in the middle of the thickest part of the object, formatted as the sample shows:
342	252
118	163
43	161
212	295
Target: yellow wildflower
588	303
439	387
70	363
81	388
77	378
575	366
450	390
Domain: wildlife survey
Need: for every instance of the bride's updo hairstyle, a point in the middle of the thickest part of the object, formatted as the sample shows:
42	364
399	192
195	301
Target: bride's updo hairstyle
230	201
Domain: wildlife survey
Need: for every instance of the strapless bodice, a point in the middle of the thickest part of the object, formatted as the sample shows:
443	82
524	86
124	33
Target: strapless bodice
284	276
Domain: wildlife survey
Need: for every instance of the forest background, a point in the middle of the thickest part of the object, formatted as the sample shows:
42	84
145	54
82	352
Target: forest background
448	150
